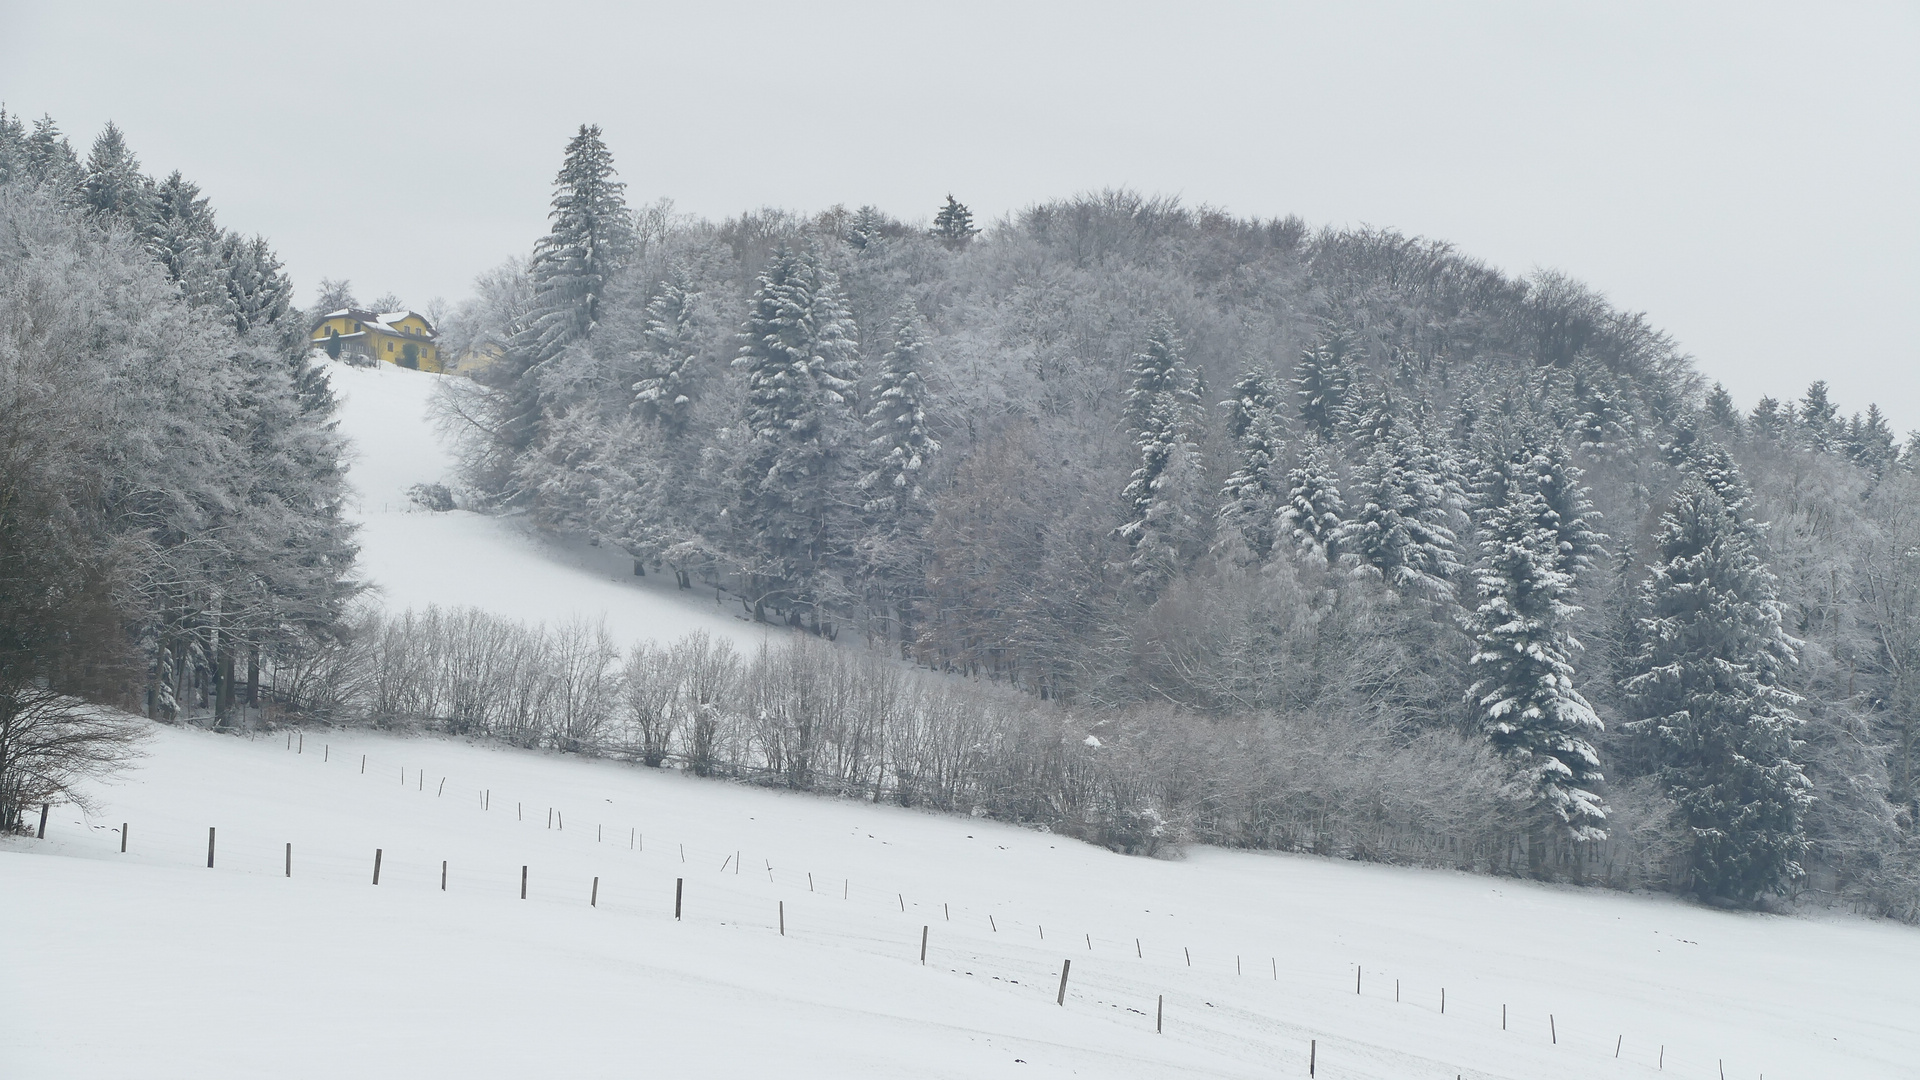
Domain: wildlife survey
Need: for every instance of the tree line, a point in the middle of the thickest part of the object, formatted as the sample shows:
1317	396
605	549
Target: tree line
1259	481
170	482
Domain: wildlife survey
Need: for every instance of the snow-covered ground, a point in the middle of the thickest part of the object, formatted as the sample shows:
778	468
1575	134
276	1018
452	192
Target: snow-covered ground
150	964
416	558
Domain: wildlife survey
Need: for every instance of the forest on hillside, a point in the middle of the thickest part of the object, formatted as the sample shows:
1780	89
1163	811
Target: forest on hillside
1138	522
1338	540
170	481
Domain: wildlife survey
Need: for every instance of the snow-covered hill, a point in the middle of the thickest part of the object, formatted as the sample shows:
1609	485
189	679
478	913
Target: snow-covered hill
415	558
149	964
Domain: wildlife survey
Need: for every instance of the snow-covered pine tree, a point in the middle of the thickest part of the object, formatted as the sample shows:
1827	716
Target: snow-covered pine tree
899	446
1705	691
13	146
802	367
1870	443
1161	411
869	229
590	239
1819	418
49	159
1603	422
182	235
1254	492
1401	525
953	225
257	294
1314	510
900	451
114	184
1524	696
1323	381
1721	412
670	353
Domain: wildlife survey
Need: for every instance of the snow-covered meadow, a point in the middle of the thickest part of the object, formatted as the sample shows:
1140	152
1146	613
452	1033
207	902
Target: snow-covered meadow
147	963
415	558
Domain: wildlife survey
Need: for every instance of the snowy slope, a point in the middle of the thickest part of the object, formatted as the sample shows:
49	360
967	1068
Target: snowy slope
414	558
150	964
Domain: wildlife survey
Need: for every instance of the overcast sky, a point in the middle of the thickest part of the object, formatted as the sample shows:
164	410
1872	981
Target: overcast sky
1746	174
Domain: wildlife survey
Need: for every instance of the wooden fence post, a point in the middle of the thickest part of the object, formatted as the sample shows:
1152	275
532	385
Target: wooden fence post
42	835
209	847
289	858
1503	1018
1443	1001
1356	978
443	788
363	764
783	918
523	882
1553	1029
923	946
1313	1054
443	875
594	900
303	744
678	884
123	838
376	866
1159	1013
1065	967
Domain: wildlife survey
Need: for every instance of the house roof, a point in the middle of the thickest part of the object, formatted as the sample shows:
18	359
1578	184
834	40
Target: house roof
380	320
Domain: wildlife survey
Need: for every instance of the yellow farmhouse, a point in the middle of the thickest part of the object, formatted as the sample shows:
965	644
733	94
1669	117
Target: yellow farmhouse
405	338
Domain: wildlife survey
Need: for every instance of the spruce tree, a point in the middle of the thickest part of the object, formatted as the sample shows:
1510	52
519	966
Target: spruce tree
256	294
114	184
1323	381
953	225
1253	494
574	264
13	146
1527	706
1401	525
900	448
670	353
1161	413
1721	412
1314	511
1706	692
1820	423
1603	420
183	236
900	451
49	159
802	369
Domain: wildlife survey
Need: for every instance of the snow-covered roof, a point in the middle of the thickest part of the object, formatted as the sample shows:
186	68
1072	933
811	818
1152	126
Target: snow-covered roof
382	320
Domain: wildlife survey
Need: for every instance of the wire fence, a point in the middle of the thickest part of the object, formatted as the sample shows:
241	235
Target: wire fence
1140	979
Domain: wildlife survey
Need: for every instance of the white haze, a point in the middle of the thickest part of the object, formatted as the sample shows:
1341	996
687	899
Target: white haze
1742	173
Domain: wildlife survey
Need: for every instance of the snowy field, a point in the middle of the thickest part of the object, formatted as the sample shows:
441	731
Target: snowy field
416	558
150	964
